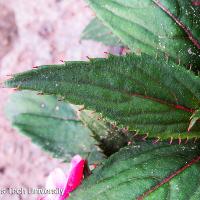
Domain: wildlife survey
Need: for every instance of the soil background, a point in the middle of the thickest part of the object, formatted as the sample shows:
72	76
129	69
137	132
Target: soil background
35	33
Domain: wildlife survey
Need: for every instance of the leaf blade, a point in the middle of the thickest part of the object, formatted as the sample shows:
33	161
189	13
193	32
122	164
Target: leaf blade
97	31
54	125
134	171
146	27
132	90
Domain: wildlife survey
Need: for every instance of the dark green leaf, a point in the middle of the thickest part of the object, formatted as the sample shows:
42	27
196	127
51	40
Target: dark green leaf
155	26
145	171
97	31
146	94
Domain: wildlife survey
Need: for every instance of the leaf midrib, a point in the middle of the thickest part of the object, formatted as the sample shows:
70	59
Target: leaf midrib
135	177
135	94
179	23
169	178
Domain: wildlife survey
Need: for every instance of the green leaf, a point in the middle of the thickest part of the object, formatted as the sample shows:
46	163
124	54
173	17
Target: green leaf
58	127
145	171
97	31
146	94
194	119
155	26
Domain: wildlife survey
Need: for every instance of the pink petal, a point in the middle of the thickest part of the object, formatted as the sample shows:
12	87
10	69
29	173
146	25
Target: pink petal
55	180
75	175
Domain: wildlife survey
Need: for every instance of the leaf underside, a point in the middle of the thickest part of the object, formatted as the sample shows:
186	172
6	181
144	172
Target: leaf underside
145	171
97	31
152	97
154	27
58	127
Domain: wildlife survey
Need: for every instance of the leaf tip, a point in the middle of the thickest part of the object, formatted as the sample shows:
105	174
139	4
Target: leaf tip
81	108
186	141
35	67
145	137
40	93
171	140
156	141
179	140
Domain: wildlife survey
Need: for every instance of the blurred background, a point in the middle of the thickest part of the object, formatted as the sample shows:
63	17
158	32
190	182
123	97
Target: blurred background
35	33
